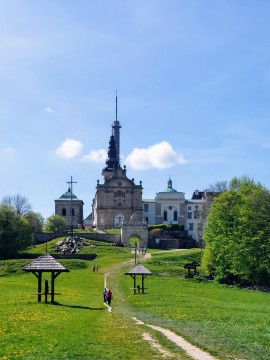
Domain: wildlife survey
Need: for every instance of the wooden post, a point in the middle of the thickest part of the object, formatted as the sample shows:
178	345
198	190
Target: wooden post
52	288
134	285
39	285
46	291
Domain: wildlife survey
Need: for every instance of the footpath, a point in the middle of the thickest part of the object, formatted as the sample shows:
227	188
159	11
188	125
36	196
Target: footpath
191	350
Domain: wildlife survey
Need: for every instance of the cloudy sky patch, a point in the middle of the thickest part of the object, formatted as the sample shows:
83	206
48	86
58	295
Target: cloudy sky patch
69	149
159	156
96	156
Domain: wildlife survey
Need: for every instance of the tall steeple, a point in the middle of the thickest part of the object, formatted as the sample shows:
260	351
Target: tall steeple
116	132
112	162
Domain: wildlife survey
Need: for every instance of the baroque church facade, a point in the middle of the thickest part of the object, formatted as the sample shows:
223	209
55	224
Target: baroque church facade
118	197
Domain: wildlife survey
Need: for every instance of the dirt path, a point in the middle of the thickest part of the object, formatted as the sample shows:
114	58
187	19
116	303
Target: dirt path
191	350
194	352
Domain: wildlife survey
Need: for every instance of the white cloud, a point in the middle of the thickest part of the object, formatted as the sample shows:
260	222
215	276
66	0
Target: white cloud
9	150
96	156
69	149
50	110
159	156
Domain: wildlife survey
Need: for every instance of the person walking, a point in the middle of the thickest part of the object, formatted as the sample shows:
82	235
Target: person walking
104	292
109	296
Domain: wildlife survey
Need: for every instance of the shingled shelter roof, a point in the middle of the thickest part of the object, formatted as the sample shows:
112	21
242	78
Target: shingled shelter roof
45	263
138	269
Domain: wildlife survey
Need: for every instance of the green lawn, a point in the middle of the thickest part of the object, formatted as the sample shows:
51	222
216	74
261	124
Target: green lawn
229	323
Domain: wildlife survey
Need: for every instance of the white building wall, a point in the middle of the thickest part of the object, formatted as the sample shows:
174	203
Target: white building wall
149	211
192	208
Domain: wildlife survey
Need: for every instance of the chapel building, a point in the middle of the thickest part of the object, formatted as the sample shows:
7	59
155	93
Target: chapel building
70	208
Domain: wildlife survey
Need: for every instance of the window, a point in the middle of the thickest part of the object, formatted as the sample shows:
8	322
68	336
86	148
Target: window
191	227
72	212
165	216
146	219
189	207
189	215
64	212
145	207
175	215
196	214
119	193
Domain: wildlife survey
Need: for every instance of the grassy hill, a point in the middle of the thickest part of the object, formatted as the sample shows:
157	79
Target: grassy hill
229	323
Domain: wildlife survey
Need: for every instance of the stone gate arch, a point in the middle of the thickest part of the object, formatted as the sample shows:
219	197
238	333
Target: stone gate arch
135	227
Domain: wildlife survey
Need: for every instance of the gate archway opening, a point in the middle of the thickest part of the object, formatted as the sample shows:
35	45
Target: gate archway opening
134	241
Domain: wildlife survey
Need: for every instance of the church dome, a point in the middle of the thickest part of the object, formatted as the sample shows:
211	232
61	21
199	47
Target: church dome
68	195
169	188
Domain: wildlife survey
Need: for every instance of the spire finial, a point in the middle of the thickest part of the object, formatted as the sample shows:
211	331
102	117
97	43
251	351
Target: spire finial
116	105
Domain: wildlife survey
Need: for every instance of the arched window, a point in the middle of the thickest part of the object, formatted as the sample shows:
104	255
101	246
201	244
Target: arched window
175	215
165	216
72	212
64	212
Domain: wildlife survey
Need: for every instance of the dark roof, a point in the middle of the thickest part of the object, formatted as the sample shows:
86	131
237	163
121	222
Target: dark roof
68	195
192	265
45	262
138	270
198	195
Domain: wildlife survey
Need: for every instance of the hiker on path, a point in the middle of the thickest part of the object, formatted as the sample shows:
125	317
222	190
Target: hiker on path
109	296
104	292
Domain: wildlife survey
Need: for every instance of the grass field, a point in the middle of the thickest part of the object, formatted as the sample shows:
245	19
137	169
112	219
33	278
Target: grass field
229	323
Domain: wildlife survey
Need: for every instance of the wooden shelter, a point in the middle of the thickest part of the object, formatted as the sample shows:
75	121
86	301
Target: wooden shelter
192	266
140	270
45	263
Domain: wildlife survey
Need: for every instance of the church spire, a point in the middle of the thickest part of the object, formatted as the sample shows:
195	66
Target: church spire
112	162
116	131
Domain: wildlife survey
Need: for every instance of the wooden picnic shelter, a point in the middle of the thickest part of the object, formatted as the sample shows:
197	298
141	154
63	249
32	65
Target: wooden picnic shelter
192	266
45	263
139	270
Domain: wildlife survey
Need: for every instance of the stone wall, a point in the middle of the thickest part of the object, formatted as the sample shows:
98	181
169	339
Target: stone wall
111	238
163	243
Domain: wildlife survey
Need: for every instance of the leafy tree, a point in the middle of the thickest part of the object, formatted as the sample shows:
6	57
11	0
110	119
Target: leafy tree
237	234
54	223
18	202
36	221
15	232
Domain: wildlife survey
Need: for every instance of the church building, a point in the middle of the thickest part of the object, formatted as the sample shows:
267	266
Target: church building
118	197
70	208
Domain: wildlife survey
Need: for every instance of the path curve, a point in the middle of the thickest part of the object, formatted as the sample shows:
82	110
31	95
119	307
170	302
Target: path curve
191	350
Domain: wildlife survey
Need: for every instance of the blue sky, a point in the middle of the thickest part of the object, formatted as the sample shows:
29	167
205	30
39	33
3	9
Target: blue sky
193	84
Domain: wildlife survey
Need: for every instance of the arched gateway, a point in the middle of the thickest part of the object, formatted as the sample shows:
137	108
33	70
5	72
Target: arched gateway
135	227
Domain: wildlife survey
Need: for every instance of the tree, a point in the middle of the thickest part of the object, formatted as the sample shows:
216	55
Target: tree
54	223
18	202
36	221
218	187
15	232
237	234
